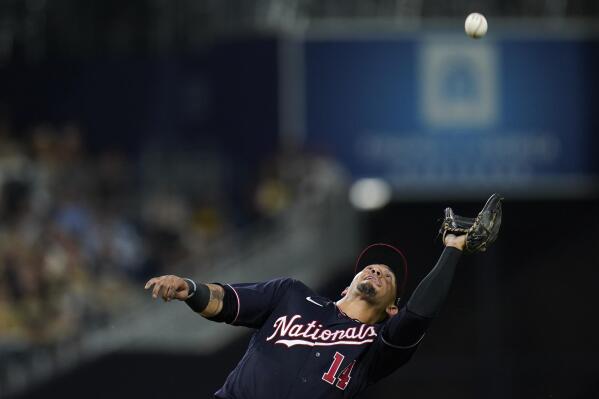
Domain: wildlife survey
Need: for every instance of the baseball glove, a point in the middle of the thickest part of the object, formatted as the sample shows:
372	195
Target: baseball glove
480	231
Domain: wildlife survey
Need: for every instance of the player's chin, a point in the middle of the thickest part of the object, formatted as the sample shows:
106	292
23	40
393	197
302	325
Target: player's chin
367	289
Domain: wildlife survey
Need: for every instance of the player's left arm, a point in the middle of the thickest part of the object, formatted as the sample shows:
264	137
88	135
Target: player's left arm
407	329
459	234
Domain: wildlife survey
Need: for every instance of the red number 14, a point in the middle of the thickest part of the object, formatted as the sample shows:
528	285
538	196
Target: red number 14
344	377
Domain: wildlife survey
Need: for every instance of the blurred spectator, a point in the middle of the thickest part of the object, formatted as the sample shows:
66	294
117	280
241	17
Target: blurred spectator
67	247
79	231
293	177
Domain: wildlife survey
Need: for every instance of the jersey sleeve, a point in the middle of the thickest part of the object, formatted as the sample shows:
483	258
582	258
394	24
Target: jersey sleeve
397	341
250	304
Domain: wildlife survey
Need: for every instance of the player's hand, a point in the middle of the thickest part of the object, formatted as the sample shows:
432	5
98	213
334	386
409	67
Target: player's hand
452	240
168	287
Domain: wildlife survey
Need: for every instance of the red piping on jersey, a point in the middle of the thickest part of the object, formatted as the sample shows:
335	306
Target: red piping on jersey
238	304
405	264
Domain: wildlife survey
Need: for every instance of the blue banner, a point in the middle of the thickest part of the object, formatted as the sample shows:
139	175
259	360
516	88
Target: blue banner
450	115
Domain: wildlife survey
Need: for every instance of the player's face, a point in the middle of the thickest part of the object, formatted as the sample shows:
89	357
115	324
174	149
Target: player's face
376	283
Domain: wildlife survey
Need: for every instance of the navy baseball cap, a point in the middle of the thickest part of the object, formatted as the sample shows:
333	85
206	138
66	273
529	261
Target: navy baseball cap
385	254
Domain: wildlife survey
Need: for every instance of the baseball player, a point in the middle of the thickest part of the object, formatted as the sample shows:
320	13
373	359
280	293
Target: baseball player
308	346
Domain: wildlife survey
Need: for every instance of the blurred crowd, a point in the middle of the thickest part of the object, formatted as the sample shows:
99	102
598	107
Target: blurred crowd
81	231
67	250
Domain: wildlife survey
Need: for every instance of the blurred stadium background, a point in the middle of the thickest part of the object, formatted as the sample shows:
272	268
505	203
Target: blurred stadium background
242	140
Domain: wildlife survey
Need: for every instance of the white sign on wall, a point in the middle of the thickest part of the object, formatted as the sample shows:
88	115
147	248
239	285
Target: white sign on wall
458	85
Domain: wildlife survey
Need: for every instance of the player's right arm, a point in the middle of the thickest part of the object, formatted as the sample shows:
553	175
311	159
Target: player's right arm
244	304
205	299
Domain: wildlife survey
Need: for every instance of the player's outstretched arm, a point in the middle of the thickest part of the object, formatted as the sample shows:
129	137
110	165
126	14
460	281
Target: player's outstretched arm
407	330
427	298
205	299
460	234
455	241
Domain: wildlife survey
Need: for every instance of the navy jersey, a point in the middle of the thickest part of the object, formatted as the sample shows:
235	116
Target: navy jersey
305	347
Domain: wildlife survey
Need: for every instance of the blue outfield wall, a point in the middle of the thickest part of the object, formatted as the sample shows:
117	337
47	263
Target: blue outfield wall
446	115
223	96
434	115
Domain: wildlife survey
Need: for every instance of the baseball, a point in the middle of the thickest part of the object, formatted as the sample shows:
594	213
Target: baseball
476	25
